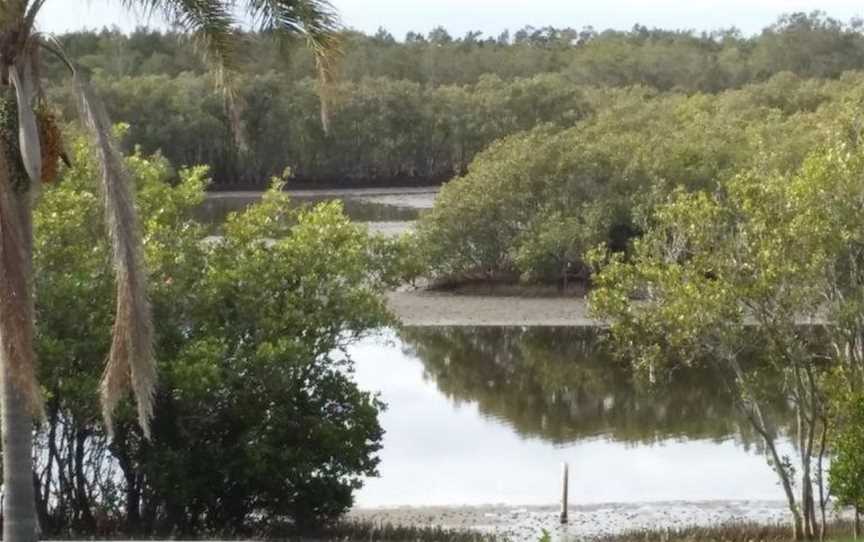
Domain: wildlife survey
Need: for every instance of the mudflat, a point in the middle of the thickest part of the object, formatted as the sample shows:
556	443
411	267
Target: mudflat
520	523
434	308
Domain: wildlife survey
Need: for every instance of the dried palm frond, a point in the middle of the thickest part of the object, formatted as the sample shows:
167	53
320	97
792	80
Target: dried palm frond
131	359
51	141
16	303
326	88
21	76
327	49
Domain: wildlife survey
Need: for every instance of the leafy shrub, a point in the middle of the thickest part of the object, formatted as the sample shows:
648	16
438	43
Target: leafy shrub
258	421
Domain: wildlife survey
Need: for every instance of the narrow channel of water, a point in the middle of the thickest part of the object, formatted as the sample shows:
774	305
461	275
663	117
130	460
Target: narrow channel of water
487	416
214	210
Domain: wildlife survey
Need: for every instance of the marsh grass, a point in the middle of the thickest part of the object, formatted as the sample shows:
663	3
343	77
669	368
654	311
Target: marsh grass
351	531
839	531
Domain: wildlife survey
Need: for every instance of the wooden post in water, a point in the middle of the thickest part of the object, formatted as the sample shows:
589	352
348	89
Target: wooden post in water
564	495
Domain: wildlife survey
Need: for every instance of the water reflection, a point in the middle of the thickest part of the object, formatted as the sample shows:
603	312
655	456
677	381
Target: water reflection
560	385
487	415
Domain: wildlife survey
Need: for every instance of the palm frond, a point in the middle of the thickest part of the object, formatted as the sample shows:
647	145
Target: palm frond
23	80
209	22
315	17
317	22
131	358
31	13
16	303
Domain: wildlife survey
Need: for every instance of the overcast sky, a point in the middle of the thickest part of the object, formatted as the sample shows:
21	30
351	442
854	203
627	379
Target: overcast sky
493	16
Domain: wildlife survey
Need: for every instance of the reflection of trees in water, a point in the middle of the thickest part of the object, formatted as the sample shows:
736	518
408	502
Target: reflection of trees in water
560	385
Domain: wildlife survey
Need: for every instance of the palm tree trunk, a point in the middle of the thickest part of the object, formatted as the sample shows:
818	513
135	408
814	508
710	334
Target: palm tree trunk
19	504
19	498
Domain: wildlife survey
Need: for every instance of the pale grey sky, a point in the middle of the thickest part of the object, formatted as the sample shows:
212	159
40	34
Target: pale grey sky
492	16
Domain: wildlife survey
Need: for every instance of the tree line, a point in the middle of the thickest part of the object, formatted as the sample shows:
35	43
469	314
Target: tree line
417	110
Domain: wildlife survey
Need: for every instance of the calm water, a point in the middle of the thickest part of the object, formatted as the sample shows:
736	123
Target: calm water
215	210
487	415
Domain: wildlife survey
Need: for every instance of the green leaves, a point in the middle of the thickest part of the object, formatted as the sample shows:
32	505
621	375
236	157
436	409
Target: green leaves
255	397
846	475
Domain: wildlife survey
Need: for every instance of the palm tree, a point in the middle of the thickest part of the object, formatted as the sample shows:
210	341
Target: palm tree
24	160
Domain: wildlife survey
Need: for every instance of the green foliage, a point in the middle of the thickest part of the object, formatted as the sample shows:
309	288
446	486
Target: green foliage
533	203
258	422
419	110
764	248
383	130
810	45
846	476
743	267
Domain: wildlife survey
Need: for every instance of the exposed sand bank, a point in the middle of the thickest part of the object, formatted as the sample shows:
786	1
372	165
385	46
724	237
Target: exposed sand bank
411	197
393	228
428	308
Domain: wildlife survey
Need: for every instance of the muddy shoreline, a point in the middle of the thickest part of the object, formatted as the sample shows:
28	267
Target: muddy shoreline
422	308
527	523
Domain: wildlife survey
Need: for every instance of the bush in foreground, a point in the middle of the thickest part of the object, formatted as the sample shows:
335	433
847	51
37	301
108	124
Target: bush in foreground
258	422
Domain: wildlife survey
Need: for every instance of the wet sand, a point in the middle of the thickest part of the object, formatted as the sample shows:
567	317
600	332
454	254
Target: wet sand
393	228
413	200
428	308
527	523
409	197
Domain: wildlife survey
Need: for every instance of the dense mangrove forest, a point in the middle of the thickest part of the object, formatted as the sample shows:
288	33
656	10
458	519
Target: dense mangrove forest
417	109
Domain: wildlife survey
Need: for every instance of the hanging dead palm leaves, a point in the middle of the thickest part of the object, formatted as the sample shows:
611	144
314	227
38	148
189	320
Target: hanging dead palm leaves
51	143
131	358
23	80
327	62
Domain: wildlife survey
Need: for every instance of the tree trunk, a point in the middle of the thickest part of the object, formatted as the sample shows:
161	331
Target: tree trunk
856	526
820	472
808	506
84	515
753	411
19	500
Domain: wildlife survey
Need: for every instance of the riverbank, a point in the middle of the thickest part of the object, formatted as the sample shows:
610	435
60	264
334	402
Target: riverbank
423	308
420	197
586	522
434	308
